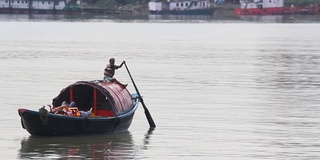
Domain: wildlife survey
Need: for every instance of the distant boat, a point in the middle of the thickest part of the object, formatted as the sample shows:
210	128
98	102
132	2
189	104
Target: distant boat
182	7
274	7
112	106
37	6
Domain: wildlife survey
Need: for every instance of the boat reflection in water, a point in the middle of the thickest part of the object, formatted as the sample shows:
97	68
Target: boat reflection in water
103	146
263	18
18	17
180	17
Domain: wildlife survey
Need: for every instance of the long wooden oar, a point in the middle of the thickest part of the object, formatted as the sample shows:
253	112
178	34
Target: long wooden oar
146	111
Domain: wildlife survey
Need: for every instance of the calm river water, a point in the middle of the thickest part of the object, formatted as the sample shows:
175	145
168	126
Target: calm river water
245	88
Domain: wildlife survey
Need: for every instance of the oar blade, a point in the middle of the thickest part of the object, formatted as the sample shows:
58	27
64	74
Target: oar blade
149	118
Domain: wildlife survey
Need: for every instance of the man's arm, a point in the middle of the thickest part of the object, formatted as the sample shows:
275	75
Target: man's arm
122	63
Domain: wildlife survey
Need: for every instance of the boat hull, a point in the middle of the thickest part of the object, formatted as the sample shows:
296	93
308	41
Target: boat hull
53	125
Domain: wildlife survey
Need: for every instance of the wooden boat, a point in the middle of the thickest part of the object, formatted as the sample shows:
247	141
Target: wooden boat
112	106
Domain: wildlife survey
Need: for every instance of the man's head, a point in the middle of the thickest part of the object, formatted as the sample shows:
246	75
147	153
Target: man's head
64	103
111	61
72	104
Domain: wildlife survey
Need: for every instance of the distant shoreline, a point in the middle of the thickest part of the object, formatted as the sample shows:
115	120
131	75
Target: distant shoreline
225	9
137	10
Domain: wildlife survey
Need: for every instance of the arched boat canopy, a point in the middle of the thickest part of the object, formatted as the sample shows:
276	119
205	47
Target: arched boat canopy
106	98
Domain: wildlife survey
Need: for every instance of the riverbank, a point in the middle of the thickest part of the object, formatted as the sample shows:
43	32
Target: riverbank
220	10
225	10
143	10
136	10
